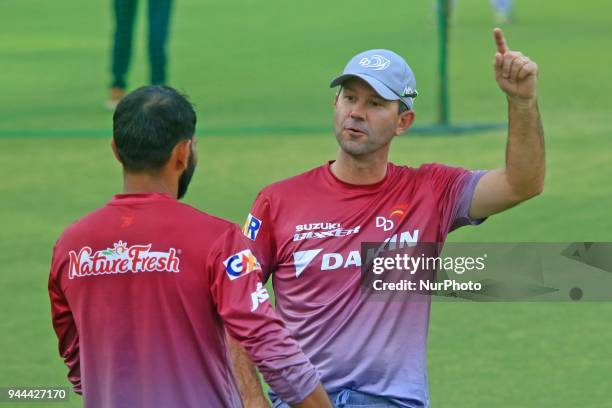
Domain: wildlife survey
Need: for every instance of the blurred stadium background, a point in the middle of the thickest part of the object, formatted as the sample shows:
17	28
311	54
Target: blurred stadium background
258	73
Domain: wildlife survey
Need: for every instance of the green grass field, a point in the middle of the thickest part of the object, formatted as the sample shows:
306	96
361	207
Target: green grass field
258	73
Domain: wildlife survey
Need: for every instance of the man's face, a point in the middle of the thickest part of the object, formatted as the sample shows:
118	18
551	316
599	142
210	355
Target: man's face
364	122
187	174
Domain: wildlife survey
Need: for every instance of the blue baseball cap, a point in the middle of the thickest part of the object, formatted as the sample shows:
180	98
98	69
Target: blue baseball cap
386	72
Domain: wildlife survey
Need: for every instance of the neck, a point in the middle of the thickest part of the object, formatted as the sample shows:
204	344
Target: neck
359	170
140	183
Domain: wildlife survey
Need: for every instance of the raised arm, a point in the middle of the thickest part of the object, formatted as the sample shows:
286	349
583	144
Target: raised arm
523	175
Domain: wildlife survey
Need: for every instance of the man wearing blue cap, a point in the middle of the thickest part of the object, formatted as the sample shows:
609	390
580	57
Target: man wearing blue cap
308	229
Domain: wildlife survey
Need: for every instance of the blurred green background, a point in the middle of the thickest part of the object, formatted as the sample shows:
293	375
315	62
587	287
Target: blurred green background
258	73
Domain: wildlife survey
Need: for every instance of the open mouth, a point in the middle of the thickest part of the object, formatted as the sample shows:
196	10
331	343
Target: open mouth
355	130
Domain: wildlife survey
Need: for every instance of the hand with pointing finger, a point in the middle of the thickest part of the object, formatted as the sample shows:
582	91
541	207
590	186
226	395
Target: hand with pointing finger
515	73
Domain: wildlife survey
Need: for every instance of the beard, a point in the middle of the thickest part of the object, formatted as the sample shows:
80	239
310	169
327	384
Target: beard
361	144
355	147
185	178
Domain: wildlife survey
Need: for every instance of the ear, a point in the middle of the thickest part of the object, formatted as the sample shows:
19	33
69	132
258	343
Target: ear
180	154
405	120
115	152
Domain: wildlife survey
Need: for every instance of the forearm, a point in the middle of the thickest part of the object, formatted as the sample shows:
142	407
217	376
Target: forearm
65	329
280	361
525	156
246	377
250	387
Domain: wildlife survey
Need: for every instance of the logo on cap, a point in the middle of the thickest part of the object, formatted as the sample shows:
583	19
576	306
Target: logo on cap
409	92
376	62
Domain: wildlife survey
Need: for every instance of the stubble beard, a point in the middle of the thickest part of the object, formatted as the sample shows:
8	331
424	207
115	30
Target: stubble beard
359	147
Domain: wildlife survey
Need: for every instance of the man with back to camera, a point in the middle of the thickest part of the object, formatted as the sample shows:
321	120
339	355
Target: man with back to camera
308	229
143	289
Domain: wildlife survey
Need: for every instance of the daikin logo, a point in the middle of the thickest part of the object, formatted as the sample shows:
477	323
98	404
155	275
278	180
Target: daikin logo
332	260
302	259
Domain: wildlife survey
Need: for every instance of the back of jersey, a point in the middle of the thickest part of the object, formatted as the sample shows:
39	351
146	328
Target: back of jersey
133	310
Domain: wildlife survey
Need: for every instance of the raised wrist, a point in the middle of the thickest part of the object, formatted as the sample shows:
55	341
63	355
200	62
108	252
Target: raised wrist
523	103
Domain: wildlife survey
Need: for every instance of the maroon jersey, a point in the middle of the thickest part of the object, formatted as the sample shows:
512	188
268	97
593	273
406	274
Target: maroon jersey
142	292
308	231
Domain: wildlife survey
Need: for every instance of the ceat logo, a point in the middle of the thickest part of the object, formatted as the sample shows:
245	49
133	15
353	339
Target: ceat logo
121	259
240	264
251	227
399	212
259	296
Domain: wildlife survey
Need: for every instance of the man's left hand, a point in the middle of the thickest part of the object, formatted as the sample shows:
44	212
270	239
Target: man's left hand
515	73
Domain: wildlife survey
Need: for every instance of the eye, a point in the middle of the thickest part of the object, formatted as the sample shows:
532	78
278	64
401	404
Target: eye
375	103
349	98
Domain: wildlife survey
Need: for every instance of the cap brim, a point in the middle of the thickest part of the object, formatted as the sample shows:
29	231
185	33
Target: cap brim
380	88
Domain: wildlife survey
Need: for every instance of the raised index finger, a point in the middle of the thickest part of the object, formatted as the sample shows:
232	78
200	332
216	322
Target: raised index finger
500	41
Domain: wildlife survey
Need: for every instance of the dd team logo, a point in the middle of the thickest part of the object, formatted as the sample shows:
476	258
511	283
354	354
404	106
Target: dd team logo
387	224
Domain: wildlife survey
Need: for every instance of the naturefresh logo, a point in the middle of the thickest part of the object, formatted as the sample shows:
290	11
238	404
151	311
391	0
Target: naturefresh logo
121	259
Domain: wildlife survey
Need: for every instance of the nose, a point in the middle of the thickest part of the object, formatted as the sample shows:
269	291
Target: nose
357	112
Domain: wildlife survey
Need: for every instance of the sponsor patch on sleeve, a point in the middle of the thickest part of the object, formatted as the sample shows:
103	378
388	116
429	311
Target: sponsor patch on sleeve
259	296
251	227
240	264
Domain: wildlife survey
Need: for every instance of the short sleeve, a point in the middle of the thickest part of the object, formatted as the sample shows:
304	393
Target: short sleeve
258	228
453	189
462	213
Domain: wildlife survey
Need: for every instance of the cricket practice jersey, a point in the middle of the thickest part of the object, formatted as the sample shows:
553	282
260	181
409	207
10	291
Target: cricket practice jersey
307	232
142	293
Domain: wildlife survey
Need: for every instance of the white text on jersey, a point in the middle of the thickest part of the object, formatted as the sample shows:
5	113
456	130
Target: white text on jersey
333	260
317	226
339	232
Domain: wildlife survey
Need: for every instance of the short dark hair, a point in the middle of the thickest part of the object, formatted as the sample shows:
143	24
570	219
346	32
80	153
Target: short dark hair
148	123
401	106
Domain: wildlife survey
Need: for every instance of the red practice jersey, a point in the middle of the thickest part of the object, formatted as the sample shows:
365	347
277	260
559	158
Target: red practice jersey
142	293
308	232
